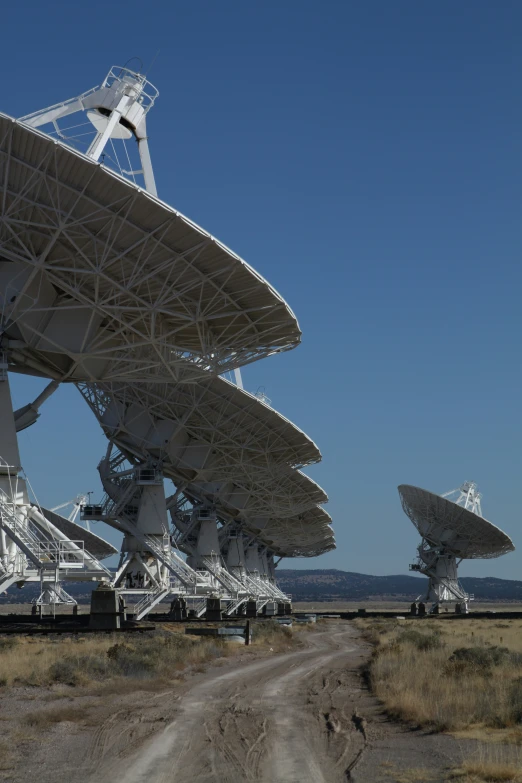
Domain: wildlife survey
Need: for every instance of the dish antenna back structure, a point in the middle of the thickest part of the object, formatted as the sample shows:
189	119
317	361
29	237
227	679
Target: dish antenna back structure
103	283
452	529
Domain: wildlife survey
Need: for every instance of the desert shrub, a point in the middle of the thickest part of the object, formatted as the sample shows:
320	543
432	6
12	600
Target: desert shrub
515	700
115	652
42	719
481	658
129	661
7	643
419	640
75	670
269	632
415	684
374	630
134	662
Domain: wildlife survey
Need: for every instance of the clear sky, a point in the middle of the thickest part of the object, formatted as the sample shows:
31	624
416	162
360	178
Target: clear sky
365	157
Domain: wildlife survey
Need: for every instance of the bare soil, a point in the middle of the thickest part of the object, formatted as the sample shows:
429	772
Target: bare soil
300	716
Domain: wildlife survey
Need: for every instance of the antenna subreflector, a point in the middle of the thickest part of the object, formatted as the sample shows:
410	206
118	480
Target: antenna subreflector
116	109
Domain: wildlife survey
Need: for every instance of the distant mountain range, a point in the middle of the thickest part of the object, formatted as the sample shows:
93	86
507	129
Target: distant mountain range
334	585
329	585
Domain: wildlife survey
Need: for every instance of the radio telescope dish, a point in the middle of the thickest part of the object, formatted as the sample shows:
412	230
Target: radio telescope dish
101	280
105	286
455	527
305	535
451	532
227	459
210	424
96	545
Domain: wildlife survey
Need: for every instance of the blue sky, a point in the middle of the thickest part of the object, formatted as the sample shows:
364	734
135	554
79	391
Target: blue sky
366	159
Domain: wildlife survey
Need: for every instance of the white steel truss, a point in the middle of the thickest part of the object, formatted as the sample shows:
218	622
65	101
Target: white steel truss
104	285
102	281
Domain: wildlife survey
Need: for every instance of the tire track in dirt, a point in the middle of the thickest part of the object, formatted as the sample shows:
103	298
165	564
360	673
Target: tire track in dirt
248	724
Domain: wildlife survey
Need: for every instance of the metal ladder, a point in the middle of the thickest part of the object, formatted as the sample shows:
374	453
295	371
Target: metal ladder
49	555
149	601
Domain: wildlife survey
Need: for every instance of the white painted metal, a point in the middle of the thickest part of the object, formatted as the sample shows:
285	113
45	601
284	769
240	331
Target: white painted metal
228	449
75	505
455	527
150	568
466	496
451	531
202	426
32	548
28	415
99	280
116	109
104	285
69	528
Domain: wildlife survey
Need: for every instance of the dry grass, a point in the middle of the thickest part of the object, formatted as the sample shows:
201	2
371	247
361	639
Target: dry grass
491	764
410	775
414	775
450	675
491	772
7	757
43	719
33	661
277	637
120	661
393	605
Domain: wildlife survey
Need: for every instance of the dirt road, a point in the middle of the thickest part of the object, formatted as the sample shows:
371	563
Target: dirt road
298	716
252	723
303	716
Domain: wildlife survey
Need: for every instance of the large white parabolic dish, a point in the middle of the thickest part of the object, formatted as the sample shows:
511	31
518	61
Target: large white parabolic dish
94	544
219	448
452	527
209	423
306	535
99	280
210	463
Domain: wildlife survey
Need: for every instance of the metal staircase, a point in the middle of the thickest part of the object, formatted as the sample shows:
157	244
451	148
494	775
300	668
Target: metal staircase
222	576
24	538
233	606
149	601
124	489
9	579
40	556
123	494
200	607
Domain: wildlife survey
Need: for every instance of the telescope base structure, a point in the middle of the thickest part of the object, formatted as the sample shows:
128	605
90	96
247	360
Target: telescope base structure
107	609
218	578
452	529
444	587
32	548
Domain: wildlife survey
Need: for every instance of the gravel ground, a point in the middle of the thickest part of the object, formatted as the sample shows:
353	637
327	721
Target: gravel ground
302	716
